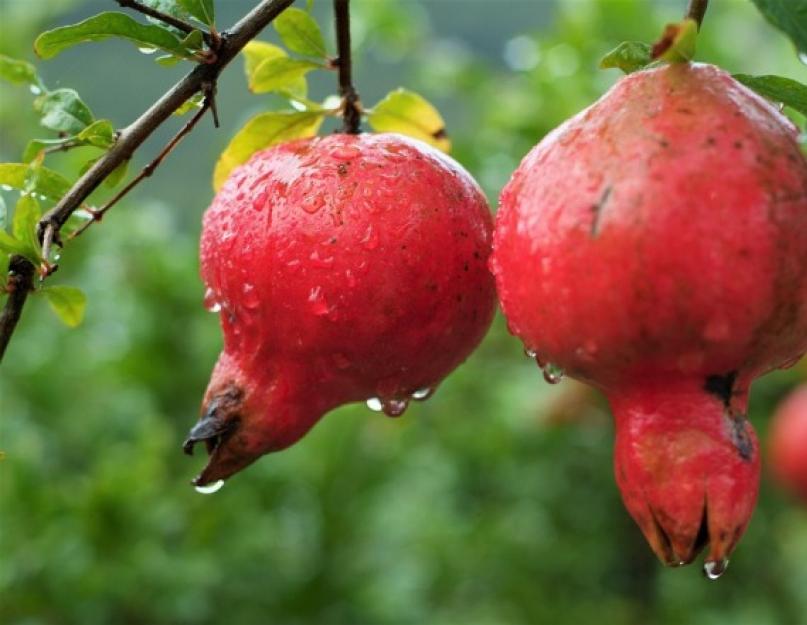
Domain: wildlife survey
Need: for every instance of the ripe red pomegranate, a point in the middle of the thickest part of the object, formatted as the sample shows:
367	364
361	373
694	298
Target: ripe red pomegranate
788	443
345	268
655	246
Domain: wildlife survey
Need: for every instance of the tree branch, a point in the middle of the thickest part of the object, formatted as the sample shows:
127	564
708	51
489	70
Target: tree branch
163	17
696	10
351	106
128	141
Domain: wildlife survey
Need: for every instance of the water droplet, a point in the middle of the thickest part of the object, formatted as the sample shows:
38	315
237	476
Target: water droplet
211	301
422	394
320	261
313	203
351	279
345	152
530	353
35	90
713	569
553	373
209	489
250	299
803	57
319	305
6	187
394	407
375	404
259	202
147	49
370	238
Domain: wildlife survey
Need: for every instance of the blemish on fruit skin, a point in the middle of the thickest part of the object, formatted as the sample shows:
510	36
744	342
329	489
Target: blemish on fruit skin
597	209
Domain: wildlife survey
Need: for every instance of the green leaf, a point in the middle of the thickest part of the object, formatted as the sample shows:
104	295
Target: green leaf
789	92
629	56
194	41
26	216
282	74
47	182
789	16
104	26
261	132
100	134
202	10
300	33
63	111
258	52
192	103
410	114
5	258
3	213
67	302
677	43
18	72
10	245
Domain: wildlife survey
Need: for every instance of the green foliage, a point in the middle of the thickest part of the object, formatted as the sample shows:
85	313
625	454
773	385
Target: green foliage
261	132
629	56
23	227
202	10
62	110
112	24
67	302
787	91
789	16
16	71
300	33
410	114
258	59
46	181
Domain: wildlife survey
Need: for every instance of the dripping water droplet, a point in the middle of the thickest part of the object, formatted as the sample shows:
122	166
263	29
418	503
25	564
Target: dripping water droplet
803	57
394	407
375	404
209	489
422	394
250	299
35	90
345	152
530	353
713	569
211	301
147	49
553	373
370	238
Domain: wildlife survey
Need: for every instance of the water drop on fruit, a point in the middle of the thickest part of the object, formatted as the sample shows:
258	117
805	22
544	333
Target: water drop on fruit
345	152
375	404
713	569
530	353
422	394
552	373
319	305
250	299
394	407
209	489
313	203
211	301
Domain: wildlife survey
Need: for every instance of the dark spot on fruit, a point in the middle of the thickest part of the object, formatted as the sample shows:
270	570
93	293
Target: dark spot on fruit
597	210
342	169
440	134
711	141
465	267
738	145
740	437
721	386
685	111
664	143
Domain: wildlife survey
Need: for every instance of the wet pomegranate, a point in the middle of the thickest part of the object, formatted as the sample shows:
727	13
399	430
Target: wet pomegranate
788	443
655	246
345	268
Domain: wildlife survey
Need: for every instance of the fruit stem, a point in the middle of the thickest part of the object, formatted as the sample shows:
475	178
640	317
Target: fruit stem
351	107
696	10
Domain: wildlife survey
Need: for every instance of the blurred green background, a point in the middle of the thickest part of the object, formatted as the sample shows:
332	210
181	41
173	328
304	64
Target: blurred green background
492	503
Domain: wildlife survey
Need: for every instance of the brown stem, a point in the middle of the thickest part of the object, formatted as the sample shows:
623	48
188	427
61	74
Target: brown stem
177	23
98	214
20	283
696	10
351	106
131	138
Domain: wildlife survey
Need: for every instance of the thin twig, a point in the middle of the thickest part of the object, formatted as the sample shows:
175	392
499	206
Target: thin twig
62	147
177	23
128	141
351	105
696	10
20	283
98	214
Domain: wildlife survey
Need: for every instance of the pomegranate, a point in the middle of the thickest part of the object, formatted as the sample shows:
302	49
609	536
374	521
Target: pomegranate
345	268
788	443
655	246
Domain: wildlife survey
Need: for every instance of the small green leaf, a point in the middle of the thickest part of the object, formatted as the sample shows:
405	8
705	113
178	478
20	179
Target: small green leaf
789	92
300	33
410	114
261	132
100	134
67	302
282	74
104	26
202	10
63	111
192	103
789	16
194	41
116	175
168	60
10	245
629	56
47	182
26	216
5	258
258	52
677	43
18	72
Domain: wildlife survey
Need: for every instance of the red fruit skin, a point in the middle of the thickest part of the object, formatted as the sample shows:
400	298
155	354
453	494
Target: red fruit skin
655	246
788	443
346	267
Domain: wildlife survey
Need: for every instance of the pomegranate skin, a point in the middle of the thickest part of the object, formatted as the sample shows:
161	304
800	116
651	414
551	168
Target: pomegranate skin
345	268
655	246
787	449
